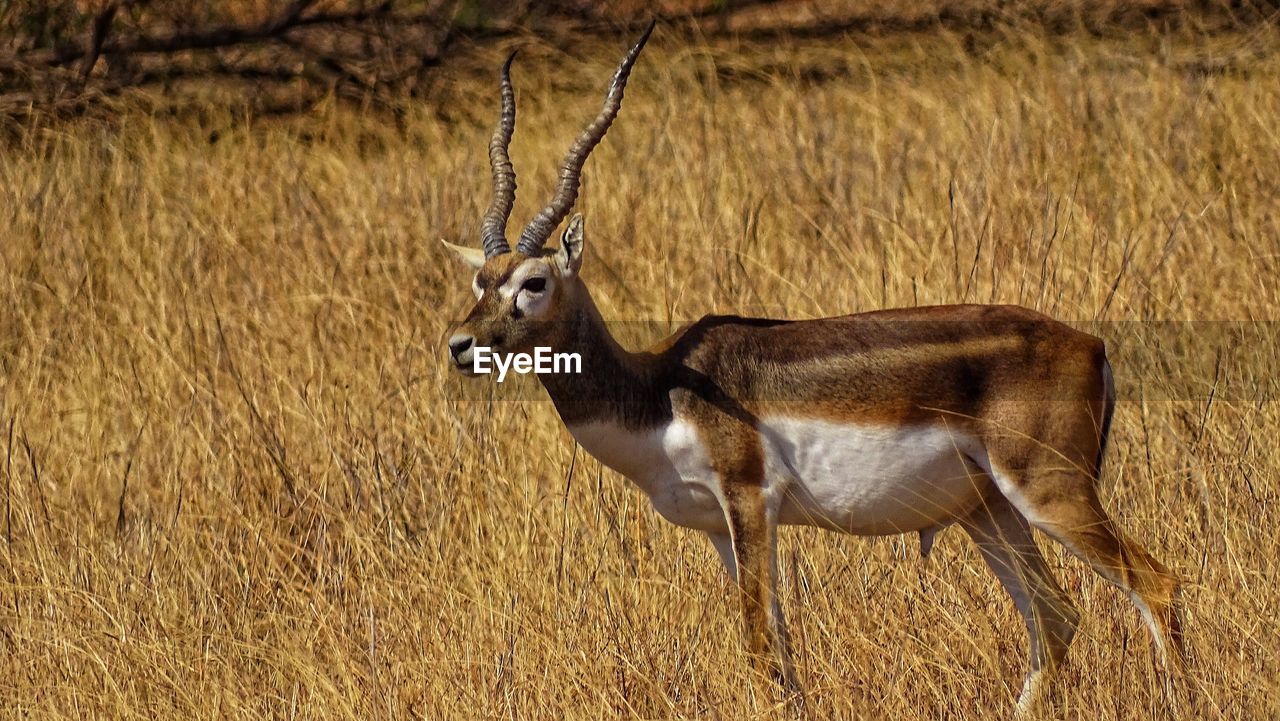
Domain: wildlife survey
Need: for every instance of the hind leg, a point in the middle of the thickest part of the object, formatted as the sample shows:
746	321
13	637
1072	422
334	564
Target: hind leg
1004	539
1088	532
1059	497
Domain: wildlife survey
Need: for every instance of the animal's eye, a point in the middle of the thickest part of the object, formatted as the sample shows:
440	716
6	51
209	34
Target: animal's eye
535	285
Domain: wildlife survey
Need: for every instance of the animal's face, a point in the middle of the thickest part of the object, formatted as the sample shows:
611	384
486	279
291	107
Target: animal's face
525	297
521	301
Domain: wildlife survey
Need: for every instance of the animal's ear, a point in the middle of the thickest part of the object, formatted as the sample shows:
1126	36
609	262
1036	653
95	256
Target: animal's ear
473	257
569	255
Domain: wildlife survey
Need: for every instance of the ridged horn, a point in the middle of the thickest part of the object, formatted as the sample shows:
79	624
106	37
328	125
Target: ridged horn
535	234
493	229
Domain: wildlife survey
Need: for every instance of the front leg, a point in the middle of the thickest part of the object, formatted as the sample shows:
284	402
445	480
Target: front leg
723	543
753	531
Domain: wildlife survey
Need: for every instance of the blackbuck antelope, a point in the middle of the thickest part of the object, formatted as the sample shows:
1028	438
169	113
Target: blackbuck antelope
994	418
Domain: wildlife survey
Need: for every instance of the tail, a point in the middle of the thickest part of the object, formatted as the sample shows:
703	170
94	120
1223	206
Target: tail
1108	409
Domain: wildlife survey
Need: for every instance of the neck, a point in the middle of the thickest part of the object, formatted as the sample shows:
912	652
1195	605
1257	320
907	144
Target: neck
615	385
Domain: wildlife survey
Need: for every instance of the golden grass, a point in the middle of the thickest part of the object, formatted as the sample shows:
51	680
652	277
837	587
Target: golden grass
235	485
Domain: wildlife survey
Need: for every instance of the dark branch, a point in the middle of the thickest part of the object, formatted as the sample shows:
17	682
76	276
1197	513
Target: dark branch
101	26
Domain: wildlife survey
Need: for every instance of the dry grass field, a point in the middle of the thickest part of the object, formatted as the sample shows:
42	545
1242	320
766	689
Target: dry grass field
236	483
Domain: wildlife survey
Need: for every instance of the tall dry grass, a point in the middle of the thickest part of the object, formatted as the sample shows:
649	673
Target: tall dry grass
235	486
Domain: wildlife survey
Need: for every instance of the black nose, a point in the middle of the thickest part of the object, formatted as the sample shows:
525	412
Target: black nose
459	345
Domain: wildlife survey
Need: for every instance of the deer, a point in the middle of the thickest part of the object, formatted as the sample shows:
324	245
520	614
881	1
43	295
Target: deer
994	418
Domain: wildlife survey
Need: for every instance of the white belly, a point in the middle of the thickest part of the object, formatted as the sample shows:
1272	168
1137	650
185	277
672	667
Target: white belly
871	480
860	479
